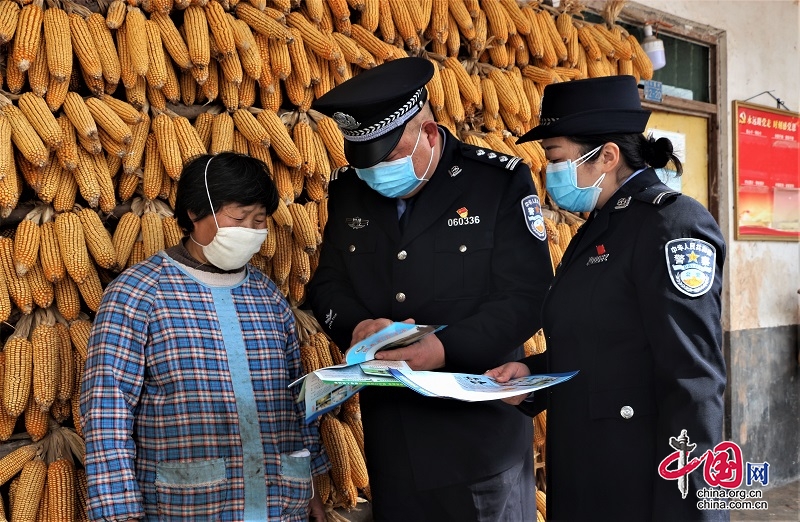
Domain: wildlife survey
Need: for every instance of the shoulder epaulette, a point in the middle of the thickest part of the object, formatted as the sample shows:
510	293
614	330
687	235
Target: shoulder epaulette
657	194
498	159
336	172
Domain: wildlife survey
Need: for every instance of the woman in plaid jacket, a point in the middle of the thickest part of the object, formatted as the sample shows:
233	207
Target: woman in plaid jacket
185	402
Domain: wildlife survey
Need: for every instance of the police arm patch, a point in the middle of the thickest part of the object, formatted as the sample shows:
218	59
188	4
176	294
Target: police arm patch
534	220
691	264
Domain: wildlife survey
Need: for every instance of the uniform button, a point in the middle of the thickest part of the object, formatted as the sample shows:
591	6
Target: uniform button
352	248
462	248
400	297
402	255
626	412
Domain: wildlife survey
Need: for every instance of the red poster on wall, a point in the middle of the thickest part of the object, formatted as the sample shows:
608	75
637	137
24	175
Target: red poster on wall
767	168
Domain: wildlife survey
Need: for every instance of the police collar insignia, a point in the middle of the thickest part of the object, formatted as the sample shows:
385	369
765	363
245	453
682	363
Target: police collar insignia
691	264
622	203
356	222
534	220
455	170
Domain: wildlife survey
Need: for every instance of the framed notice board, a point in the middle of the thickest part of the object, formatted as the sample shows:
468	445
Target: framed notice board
767	169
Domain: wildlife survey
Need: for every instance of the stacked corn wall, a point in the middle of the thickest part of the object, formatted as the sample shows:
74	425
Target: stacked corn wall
101	108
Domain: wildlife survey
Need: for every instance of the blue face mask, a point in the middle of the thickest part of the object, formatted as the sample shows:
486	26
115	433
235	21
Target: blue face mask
396	178
562	185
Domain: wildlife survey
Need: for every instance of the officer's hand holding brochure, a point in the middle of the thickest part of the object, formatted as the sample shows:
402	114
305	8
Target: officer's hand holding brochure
328	387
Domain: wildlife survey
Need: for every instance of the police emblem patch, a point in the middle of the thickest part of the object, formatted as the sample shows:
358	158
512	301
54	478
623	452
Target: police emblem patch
691	264
534	220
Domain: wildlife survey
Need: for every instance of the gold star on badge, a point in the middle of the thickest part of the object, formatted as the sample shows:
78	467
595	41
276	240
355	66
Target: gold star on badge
693	257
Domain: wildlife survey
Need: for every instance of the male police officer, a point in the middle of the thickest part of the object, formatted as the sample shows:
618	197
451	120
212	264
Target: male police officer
424	227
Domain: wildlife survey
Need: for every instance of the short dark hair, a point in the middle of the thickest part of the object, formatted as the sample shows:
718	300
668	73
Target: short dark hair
232	178
637	150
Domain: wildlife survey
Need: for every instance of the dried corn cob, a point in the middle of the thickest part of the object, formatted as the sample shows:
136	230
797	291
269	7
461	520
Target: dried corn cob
17	381
61	489
67	298
46	369
28	35
18	287
72	245
13	463
24	135
26	244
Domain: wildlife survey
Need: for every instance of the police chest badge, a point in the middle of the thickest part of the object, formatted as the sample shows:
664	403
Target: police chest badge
532	210
691	264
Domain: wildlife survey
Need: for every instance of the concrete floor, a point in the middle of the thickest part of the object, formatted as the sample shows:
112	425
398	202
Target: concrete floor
784	506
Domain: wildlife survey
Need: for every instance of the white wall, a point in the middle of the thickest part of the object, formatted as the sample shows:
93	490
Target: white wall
761	54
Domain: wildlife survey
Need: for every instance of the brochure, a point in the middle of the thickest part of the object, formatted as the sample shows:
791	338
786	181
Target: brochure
326	388
395	335
474	388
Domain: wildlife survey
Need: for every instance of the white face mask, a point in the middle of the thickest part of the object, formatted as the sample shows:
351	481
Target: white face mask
232	247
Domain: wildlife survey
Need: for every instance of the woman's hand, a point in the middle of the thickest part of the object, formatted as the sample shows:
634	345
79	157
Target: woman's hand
505	373
316	510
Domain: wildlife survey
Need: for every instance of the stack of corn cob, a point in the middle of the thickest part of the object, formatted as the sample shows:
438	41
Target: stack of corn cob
101	108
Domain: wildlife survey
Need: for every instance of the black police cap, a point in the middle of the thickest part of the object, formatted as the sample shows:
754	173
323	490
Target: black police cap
373	107
593	106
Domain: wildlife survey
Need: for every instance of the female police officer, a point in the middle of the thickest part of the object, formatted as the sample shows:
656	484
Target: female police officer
635	306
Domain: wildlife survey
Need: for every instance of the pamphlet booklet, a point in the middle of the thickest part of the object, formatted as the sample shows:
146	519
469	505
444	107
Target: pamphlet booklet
326	388
393	336
473	388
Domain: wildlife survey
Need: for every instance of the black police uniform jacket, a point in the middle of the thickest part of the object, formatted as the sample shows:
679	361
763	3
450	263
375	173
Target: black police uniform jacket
649	357
466	259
